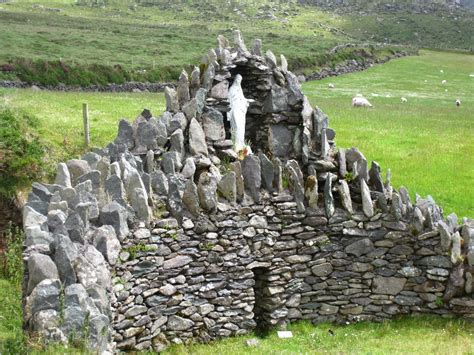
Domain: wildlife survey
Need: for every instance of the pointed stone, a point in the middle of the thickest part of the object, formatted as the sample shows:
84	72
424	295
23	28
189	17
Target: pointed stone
222	41
220	91
306	145
227	187
63	177
419	220
396	208
456	249
345	196
341	160
172	103
189	168
468	238
267	172
375	179
190	109
183	88
239	42
190	198
257	47
367	204
320	122
382	202
207	188
212	55
328	197
307	113
271	59
296	189
149	161
311	191
177	143
174	202
114	188
239	180
324	145
284	63
277	175
208	77
405	196
297	144
197	139
251	172
445	235
294	164
195	81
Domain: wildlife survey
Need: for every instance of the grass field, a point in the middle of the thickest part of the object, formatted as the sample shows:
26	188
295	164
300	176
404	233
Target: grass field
428	141
406	335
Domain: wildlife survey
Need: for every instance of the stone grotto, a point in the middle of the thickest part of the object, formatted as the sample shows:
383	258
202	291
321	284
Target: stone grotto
169	234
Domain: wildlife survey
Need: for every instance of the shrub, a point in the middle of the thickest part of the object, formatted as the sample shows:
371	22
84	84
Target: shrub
12	267
21	152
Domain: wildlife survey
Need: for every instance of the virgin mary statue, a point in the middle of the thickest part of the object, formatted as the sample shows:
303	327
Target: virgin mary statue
238	109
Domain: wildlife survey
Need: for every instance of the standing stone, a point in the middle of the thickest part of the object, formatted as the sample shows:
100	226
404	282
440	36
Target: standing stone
149	161
444	233
239	180
159	183
195	81
468	238
324	145
320	122
239	43
77	168
396	207
177	143
190	108
271	59
125	134
105	240
367	204
175	203
277	175
178	121
306	145
197	139
207	187
345	196
297	144
208	77
63	177
65	255
297	189
257	47
183	88
227	186
172	102
456	249
251	172
200	101
267	172
375	179
311	191
328	198
341	159
284	63
190	198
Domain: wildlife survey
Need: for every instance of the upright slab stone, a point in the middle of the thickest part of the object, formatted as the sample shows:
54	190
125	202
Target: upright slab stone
183	88
227	187
197	139
375	179
367	204
277	175
257	47
207	188
172	101
213	125
297	189
311	191
267	172
328	197
345	195
251	172
195	82
115	215
239	180
63	177
175	203
190	198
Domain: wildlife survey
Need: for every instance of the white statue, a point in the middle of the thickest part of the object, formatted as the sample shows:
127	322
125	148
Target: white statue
238	109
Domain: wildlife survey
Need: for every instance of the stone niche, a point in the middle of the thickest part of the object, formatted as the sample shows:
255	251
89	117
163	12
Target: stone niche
166	235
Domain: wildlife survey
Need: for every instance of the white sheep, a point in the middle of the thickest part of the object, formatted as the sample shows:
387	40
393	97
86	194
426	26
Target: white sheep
403	99
441	71
331	86
360	101
443	82
458	102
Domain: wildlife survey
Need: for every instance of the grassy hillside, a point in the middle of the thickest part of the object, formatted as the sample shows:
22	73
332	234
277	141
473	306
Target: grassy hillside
155	42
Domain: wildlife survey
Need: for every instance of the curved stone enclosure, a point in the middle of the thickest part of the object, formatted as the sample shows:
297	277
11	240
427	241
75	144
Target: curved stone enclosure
168	234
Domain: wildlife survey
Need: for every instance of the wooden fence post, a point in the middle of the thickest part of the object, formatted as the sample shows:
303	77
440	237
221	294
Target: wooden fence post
85	116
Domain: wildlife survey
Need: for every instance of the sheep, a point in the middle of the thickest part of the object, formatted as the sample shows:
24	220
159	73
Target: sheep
360	101
403	99
441	71
331	86
443	82
458	102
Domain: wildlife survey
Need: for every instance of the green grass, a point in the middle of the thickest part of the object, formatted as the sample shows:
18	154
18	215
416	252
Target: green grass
427	142
406	335
60	114
11	333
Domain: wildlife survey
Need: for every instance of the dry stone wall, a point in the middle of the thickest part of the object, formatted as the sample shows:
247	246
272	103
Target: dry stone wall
168	234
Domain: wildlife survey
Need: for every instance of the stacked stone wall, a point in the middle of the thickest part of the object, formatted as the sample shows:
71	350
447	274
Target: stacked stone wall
169	234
